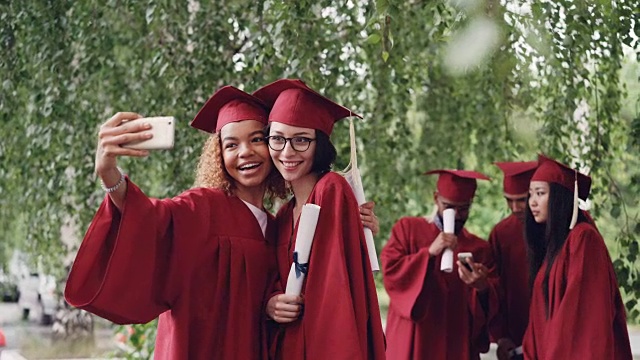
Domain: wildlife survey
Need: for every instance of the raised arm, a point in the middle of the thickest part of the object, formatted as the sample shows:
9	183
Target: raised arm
113	133
407	270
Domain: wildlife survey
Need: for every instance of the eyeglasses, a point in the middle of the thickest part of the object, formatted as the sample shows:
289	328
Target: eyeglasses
298	143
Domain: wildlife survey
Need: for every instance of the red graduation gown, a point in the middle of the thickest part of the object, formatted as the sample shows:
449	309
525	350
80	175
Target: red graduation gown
433	314
341	318
198	260
510	253
586	316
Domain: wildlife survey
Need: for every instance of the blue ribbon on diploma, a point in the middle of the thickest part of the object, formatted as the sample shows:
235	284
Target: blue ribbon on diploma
300	268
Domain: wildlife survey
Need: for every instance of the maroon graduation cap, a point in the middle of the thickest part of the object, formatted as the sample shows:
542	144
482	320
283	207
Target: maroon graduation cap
229	104
294	103
457	185
517	176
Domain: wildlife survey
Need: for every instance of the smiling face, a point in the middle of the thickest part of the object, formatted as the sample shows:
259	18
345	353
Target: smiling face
293	165
245	154
539	201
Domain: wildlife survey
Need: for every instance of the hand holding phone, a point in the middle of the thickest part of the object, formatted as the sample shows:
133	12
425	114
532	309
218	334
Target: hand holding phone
162	130
463	256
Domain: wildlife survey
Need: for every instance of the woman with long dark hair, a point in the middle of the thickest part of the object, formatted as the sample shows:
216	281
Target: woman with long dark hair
576	309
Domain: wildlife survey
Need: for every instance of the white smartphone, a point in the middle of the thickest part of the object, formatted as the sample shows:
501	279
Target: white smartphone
463	256
163	129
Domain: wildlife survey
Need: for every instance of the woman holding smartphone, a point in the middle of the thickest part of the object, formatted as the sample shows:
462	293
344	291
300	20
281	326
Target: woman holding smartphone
576	310
202	260
341	317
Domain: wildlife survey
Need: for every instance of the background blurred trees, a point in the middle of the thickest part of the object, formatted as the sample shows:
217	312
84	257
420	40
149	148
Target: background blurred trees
457	84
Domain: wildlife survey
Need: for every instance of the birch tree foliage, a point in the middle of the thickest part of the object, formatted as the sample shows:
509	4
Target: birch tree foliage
455	84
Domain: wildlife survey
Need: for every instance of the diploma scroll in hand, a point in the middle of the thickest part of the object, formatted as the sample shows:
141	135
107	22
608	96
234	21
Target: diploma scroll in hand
304	239
448	225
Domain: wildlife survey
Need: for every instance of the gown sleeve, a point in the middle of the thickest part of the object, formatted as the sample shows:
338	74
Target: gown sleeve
498	328
406	273
128	267
584	309
484	306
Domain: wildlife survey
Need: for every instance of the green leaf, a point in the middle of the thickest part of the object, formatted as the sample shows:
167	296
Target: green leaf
618	264
381	6
634	248
373	39
615	211
385	56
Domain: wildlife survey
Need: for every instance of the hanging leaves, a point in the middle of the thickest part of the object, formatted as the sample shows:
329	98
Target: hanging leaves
547	79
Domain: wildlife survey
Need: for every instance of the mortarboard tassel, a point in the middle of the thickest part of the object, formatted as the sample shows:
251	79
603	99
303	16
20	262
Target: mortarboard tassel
352	174
574	215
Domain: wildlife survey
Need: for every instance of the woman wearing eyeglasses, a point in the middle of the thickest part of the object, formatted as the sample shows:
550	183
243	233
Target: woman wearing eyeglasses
340	317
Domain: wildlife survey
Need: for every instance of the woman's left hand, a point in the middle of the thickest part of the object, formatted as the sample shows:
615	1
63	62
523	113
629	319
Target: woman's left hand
284	308
369	218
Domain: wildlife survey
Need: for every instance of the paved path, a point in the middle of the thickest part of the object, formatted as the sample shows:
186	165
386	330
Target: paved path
27	337
16	331
634	338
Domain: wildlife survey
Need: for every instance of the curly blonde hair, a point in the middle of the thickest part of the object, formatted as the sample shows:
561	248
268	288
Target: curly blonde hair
211	173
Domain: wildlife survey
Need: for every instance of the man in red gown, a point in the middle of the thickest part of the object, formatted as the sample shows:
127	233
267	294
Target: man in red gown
435	314
510	253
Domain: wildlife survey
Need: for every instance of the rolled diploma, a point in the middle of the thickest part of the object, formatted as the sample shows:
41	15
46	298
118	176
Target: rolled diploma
355	181
448	224
304	239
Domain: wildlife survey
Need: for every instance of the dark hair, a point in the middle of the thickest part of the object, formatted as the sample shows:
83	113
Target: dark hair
325	154
544	241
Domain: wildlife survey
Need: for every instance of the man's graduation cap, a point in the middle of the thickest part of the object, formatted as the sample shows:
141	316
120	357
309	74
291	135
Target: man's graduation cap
457	185
517	176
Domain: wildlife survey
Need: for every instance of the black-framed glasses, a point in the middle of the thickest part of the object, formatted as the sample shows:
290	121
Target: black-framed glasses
298	143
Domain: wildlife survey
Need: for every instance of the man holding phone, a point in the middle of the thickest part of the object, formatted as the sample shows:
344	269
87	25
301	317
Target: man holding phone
509	249
436	314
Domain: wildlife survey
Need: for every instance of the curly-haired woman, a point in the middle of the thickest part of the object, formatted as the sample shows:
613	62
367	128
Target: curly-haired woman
202	260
